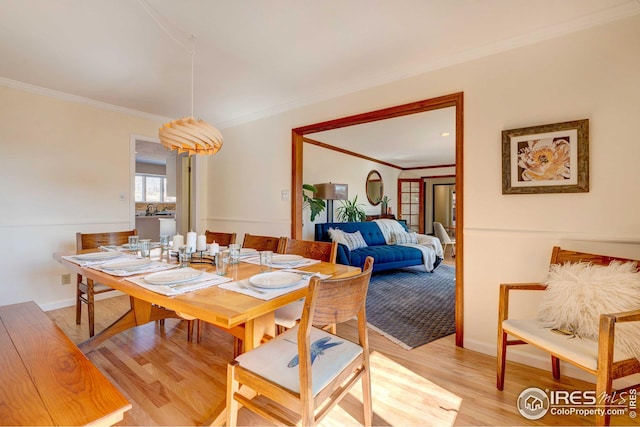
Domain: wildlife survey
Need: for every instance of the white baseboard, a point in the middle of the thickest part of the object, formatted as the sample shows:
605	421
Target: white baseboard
538	359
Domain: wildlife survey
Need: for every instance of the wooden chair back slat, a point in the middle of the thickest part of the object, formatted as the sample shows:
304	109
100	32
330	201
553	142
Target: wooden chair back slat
95	240
261	243
223	239
339	300
323	251
561	256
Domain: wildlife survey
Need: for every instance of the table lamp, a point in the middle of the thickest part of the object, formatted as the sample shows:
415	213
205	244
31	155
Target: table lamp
330	192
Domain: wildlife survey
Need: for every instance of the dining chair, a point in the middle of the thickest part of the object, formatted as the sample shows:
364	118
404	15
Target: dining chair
87	290
444	238
323	251
223	239
281	369
261	243
288	316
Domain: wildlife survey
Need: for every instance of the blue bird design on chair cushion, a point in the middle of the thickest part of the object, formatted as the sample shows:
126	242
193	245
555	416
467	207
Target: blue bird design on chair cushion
317	348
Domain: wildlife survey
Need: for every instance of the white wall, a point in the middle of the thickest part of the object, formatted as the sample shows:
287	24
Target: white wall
508	238
62	168
323	165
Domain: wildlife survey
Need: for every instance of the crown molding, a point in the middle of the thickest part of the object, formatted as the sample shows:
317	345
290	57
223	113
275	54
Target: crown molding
628	9
15	84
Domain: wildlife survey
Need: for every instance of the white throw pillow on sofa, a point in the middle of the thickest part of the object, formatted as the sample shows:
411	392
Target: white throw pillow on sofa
352	241
577	293
405	237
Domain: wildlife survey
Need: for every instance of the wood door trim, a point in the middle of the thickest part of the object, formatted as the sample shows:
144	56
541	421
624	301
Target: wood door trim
452	100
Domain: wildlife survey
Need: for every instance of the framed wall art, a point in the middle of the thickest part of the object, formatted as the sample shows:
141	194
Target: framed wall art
550	158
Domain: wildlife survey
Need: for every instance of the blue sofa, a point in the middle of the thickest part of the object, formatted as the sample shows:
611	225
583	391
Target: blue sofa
386	257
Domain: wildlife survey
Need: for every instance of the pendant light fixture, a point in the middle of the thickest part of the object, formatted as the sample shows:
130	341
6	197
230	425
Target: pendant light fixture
188	134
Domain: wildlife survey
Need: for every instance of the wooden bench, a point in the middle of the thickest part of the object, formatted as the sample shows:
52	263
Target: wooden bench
46	379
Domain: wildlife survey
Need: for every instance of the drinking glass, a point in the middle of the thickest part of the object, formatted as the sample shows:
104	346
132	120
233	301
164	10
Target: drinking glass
133	243
184	256
266	257
145	248
234	253
222	262
164	244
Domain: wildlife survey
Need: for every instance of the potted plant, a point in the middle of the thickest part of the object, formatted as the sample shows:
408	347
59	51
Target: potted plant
384	203
351	211
316	206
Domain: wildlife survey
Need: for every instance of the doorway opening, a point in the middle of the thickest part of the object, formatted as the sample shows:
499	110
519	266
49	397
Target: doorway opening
160	188
453	100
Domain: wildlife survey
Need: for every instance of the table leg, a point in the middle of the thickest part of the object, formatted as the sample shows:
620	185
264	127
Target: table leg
255	330
141	312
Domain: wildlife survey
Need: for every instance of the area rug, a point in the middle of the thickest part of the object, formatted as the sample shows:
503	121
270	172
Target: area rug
412	307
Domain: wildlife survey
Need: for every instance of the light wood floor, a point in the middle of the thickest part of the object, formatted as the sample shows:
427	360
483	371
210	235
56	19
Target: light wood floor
173	382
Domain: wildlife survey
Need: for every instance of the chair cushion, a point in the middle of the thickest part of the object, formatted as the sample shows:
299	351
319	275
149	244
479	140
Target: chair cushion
277	359
578	293
99	288
582	351
289	315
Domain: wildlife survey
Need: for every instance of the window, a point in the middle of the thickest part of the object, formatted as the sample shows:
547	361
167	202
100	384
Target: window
151	188
411	202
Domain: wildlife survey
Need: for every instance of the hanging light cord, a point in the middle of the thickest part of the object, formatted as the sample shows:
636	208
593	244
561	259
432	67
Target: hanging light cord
154	15
187	135
193	55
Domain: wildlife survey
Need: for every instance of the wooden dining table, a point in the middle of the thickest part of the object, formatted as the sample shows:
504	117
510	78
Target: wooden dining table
247	318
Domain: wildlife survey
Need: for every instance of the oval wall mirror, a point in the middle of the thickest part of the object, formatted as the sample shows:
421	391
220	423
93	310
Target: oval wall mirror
375	187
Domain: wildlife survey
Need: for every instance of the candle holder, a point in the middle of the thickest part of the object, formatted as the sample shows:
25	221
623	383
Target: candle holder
202	257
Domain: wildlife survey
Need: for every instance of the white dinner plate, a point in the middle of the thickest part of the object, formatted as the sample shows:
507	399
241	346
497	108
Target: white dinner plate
286	259
129	265
154	245
181	275
97	256
275	279
248	251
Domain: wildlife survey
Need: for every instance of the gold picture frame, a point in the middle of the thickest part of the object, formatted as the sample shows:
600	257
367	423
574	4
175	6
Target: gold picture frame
551	158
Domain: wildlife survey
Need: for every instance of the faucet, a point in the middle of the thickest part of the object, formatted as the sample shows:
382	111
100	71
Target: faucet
151	209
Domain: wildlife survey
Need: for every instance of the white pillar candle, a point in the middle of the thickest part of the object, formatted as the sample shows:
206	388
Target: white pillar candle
178	240
201	243
214	248
191	241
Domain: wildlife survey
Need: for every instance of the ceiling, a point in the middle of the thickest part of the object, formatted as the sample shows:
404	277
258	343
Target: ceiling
254	58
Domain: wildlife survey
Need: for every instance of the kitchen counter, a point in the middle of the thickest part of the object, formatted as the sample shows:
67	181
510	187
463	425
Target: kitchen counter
156	215
154	226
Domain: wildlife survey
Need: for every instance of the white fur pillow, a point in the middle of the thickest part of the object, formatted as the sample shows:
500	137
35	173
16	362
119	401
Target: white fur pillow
337	235
577	293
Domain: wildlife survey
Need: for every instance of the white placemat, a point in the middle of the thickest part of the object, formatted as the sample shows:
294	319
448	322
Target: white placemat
204	281
125	247
300	263
87	263
150	268
246	288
